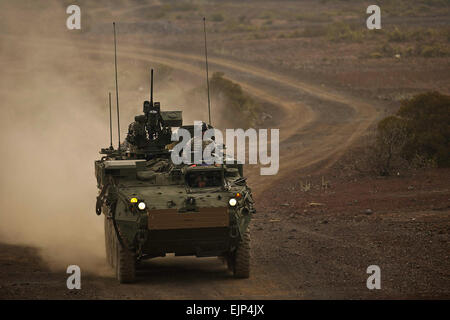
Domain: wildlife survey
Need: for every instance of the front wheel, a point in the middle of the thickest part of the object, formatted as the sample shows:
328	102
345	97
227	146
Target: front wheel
239	261
125	263
108	241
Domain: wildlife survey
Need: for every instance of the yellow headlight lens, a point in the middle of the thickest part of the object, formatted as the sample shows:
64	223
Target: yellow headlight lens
134	200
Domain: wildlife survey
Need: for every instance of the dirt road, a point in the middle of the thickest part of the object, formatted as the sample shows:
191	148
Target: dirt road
319	124
302	258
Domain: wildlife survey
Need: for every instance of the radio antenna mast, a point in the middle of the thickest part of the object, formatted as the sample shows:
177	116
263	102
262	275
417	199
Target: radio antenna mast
207	76
151	88
110	124
117	86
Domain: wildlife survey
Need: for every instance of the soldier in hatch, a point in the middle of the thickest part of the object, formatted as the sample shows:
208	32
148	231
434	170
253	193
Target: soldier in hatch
198	144
201	181
137	135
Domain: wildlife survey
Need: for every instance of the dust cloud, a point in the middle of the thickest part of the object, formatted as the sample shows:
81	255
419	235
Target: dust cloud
52	127
54	118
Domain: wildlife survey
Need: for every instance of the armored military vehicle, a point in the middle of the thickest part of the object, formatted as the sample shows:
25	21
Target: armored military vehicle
152	207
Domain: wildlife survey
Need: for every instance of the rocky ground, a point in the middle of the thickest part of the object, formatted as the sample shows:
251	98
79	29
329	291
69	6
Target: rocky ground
314	244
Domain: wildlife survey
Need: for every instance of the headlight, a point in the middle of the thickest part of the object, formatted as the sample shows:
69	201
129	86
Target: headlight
232	202
141	205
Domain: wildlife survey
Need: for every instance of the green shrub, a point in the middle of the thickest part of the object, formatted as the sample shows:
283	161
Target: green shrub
234	26
314	31
418	50
217	17
418	135
241	109
390	139
376	55
308	17
340	31
427	118
432	50
259	36
309	31
267	15
397	35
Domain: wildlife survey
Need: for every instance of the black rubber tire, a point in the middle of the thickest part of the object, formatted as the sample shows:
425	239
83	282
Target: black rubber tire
241	258
229	260
112	243
108	241
125	263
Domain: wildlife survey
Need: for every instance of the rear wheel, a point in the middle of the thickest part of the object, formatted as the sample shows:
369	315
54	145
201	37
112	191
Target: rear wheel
239	261
125	263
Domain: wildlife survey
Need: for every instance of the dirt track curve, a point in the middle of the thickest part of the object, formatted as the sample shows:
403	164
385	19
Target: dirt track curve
319	124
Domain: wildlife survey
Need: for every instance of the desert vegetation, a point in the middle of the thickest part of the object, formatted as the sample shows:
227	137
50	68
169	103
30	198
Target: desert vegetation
237	105
236	108
417	136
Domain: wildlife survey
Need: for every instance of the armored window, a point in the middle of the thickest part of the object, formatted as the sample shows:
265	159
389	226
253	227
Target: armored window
204	179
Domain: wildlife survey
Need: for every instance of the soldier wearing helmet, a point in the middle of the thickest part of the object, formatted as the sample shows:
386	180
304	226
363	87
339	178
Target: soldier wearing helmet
137	135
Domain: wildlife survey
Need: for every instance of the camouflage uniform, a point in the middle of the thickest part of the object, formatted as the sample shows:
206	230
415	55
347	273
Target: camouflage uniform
137	135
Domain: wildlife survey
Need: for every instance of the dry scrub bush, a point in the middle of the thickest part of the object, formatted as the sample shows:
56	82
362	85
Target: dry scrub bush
427	120
240	108
417	136
389	142
379	154
231	107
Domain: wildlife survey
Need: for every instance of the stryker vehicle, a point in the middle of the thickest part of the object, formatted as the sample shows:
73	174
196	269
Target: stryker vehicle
152	207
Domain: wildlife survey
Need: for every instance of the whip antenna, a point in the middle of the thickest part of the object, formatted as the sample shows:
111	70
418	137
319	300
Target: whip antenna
151	88
110	123
207	76
117	86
